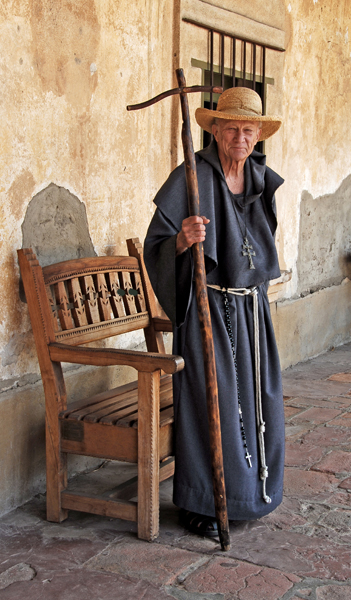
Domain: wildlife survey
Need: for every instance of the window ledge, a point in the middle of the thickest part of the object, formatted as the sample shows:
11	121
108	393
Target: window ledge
227	21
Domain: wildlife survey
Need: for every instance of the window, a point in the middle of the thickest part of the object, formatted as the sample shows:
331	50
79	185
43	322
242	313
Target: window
248	69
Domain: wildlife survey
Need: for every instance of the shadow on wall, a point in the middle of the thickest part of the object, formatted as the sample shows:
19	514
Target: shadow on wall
56	227
325	239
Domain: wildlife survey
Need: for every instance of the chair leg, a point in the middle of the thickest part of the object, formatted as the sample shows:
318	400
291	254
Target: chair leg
148	455
56	474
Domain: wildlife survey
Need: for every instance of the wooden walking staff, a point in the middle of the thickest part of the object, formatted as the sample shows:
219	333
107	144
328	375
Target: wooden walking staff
202	305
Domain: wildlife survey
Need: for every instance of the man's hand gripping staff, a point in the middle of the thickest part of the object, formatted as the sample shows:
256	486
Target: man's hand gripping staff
193	232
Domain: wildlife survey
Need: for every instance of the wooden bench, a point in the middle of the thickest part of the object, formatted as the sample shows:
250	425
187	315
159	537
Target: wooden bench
82	301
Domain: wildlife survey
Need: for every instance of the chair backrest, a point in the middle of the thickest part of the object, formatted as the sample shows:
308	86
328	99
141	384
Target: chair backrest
84	300
95	298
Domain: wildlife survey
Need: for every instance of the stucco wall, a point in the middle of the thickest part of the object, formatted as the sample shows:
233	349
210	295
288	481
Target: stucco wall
312	155
312	151
67	72
311	92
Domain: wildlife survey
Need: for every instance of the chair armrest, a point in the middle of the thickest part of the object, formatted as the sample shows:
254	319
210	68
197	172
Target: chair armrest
141	361
162	324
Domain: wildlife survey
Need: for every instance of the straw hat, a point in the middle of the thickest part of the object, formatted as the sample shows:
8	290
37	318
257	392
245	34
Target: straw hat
238	104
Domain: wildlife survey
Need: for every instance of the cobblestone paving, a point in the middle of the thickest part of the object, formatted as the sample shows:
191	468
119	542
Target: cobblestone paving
300	551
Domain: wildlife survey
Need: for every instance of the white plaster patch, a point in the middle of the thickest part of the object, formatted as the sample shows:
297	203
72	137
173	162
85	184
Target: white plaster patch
315	1
289	8
93	68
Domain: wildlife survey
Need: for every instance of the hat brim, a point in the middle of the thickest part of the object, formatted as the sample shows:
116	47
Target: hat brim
206	118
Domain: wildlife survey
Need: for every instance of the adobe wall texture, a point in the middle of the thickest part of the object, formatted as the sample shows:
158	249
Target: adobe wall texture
67	72
314	204
312	92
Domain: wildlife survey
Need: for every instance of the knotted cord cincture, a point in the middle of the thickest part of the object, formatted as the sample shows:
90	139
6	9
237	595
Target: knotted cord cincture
259	414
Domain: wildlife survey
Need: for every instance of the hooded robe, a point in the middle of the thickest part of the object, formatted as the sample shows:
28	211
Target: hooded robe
232	217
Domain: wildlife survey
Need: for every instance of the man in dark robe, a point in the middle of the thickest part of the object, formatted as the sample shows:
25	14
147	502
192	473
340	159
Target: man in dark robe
236	191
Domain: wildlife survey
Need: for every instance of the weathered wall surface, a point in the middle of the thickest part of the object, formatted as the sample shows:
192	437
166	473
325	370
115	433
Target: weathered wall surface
56	214
324	247
306	326
67	72
312	92
312	150
312	155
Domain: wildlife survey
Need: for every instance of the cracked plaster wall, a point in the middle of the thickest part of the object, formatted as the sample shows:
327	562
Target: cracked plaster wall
312	154
312	92
324	250
311	150
67	72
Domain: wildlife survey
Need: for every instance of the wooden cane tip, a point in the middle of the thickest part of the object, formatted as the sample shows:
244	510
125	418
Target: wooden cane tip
225	540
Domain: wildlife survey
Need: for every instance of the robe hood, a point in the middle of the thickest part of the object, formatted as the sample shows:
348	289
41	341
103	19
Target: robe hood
255	170
260	181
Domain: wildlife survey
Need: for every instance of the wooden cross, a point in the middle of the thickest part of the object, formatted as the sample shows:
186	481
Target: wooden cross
220	499
247	250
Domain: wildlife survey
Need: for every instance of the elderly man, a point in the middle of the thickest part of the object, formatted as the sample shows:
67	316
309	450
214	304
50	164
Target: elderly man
237	200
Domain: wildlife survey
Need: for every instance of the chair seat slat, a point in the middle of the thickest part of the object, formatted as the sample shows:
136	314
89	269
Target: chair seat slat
117	417
130	418
122	407
93	412
87	402
115	408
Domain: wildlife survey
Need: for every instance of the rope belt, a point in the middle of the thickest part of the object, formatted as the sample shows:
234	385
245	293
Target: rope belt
259	415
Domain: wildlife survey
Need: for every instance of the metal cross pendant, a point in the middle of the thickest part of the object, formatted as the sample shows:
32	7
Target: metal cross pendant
247	250
248	458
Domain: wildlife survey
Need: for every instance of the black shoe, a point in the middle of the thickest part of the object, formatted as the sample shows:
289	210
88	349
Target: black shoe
199	524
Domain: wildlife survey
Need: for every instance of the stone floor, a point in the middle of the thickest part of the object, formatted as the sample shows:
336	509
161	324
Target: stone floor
301	550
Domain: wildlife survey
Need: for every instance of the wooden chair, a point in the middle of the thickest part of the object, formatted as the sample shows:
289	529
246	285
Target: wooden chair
85	300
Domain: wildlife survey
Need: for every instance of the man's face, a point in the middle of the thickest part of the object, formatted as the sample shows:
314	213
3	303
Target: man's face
236	139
